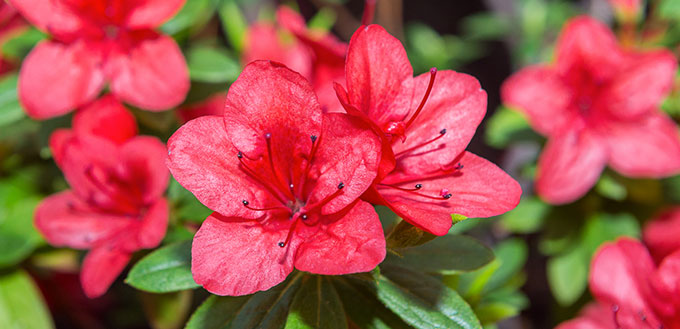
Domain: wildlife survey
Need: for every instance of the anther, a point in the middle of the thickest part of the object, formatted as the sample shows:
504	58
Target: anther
304	217
313	137
267	135
341	185
245	202
282	244
443	131
419	186
458	166
446	196
240	155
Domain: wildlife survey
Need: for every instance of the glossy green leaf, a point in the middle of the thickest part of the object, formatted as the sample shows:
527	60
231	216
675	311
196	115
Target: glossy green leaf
166	311
406	235
18	200
423	301
446	254
234	24
164	270
316	305
213	65
363	309
568	275
10	109
262	310
21	305
186	206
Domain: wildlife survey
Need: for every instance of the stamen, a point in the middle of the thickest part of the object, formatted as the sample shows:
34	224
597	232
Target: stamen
256	177
121	199
369	10
443	194
458	166
270	155
246	204
615	309
308	166
326	199
290	233
411	149
433	73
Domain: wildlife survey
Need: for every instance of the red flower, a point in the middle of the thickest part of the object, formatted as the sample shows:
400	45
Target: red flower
283	179
115	205
426	175
662	234
317	55
11	23
598	105
631	293
98	41
214	105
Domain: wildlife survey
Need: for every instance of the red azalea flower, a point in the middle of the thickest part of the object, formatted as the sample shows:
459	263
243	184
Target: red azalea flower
630	291
283	179
598	105
98	41
425	123
317	55
11	23
214	105
115	205
662	234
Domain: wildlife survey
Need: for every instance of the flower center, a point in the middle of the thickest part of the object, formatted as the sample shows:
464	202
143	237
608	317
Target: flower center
109	184
398	128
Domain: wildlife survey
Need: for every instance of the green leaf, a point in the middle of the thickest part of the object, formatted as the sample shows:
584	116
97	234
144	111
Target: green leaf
10	109
506	126
166	311
18	237
608	187
423	301
363	309
527	217
669	9
21	305
568	275
234	24
262	310
211	64
485	26
316	305
446	254
18	46
164	270
186	206
193	15
406	235
511	255
323	20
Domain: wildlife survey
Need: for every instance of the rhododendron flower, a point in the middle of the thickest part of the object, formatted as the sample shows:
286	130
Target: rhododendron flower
662	234
425	123
11	23
317	55
598	104
115	205
214	105
630	291
99	41
283	179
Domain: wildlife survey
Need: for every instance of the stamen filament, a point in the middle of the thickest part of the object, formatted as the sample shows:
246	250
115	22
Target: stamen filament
256	177
326	199
410	149
418	187
308	166
280	207
433	73
270	155
290	233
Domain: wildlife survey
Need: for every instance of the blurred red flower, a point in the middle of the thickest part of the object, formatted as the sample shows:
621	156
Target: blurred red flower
317	55
630	291
598	104
283	179
115	205
662	234
95	42
425	175
11	23
213	105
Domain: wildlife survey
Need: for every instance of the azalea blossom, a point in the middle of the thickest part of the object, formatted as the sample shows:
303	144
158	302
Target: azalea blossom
115	205
316	54
283	179
598	105
662	234
97	42
425	124
11	24
630	291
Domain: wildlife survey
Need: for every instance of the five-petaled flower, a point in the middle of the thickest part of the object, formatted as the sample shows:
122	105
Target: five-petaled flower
425	124
630	291
115	205
283	179
598	104
99	41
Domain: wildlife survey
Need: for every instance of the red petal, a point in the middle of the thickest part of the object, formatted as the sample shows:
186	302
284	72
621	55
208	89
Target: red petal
202	158
352	244
211	106
479	189
649	147
457	103
569	166
586	44
54	17
147	232
152	74
150	13
101	267
58	140
640	88
143	162
98	118
55	78
348	153
542	95
239	258
661	234
65	220
666	284
379	75
593	316
262	42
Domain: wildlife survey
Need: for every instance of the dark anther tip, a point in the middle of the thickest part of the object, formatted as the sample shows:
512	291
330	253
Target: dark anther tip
433	70
267	135
245	202
304	216
282	244
443	131
240	155
447	196
341	185
313	137
419	186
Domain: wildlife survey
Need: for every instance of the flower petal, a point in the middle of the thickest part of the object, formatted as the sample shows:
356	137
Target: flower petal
379	75
479	189
649	147
55	78
104	113
58	140
54	17
150	13
231	257
661	234
202	158
152	74
348	153
101	267
666	284
262	42
569	166
147	232
457	103
214	105
352	244
641	87
540	93
142	160
65	220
